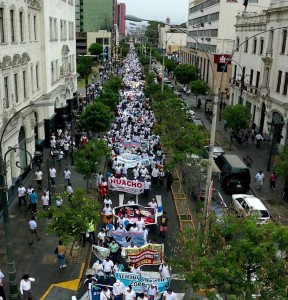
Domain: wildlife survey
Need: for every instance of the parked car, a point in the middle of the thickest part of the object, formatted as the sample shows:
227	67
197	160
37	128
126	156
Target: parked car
216	151
249	205
198	122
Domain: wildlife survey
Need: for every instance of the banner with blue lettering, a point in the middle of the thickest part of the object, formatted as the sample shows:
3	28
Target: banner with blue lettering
140	283
124	238
95	290
132	160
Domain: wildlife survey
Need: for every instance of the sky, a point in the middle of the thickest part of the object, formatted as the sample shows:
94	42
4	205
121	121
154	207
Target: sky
176	10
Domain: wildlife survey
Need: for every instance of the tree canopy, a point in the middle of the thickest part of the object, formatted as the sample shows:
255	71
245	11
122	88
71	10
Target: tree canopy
186	73
84	66
237	116
96	49
236	257
170	64
114	83
96	118
198	87
108	98
282	164
68	222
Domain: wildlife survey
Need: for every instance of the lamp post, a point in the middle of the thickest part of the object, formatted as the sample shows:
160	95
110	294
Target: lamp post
14	294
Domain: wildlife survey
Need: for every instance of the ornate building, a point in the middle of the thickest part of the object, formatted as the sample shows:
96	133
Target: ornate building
37	64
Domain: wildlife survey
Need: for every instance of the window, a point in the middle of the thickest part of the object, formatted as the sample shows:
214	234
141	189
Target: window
246	45
24	84
61	30
56	69
16	87
51	29
6	91
29	27
284	41
237	44
55	30
261	46
251	77
2	33
21	24
257	79
12	23
52	72
254	46
65	30
32	78
35	27
279	81
37	77
285	88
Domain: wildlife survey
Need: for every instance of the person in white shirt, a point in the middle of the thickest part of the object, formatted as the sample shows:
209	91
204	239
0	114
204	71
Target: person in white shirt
134	227
25	286
45	201
140	223
33	230
152	291
154	175
52	173
164	270
118	290
129	294
102	235
107	268
67	176
107	201
169	295
142	297
153	204
105	293
147	185
70	191
21	195
39	178
259	179
130	201
146	232
107	210
135	269
98	269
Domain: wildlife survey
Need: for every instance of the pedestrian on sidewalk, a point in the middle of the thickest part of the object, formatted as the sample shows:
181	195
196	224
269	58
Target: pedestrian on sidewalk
60	158
66	147
52	173
259	140
273	179
70	191
33	198
25	287
45	201
259	179
163	224
67	176
2	293
39	178
61	253
21	195
33	230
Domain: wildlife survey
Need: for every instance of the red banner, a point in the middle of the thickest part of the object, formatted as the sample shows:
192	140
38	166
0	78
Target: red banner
222	59
149	254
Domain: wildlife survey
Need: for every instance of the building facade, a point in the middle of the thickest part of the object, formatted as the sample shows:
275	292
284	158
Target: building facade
120	14
37	64
260	69
211	37
94	15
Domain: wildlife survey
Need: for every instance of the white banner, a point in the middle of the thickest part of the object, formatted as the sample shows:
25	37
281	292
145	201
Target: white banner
132	160
126	185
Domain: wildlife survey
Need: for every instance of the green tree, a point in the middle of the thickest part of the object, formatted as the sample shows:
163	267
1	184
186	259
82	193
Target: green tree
151	89
87	160
109	98
96	49
282	165
152	32
114	83
72	219
186	73
97	117
198	87
237	117
167	94
149	79
170	64
144	60
84	66
237	256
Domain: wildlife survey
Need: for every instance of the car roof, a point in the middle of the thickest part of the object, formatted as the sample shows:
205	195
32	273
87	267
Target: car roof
216	148
251	200
235	161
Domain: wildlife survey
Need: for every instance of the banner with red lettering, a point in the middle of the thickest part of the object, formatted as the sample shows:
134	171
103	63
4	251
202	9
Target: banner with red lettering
126	185
149	254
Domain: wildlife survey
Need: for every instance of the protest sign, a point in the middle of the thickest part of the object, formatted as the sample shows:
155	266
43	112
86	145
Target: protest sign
132	212
95	290
126	185
140	283
132	160
100	252
124	238
149	254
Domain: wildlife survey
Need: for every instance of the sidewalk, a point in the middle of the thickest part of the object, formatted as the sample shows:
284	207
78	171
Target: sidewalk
272	199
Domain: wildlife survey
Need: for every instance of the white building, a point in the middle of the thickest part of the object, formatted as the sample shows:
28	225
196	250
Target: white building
37	63
211	27
262	64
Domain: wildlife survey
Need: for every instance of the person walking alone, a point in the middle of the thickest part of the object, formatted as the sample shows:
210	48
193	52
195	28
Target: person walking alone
259	179
25	287
33	230
61	253
272	180
52	173
39	178
33	198
259	140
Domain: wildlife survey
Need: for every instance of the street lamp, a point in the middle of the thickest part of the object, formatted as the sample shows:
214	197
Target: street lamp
14	294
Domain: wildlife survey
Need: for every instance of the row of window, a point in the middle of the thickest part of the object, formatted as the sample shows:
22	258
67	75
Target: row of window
207	33
53	26
258	49
206	18
208	48
12	26
203	5
282	87
16	87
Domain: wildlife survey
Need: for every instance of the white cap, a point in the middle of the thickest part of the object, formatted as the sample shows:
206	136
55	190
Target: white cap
118	281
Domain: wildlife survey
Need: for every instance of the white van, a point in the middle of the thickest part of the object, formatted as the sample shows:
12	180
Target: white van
249	205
